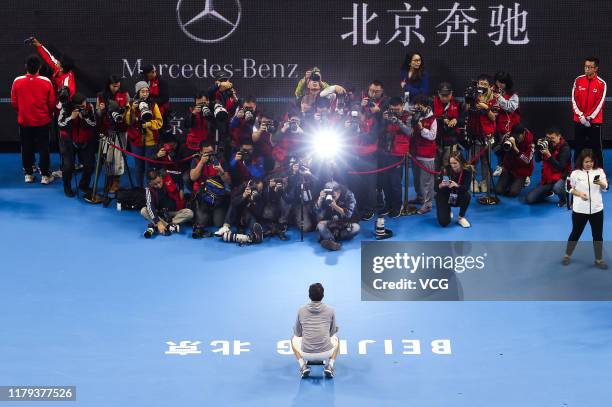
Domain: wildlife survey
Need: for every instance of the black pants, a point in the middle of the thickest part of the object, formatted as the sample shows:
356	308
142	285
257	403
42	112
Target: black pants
509	185
205	213
35	139
87	157
443	207
579	221
588	137
293	213
364	185
391	182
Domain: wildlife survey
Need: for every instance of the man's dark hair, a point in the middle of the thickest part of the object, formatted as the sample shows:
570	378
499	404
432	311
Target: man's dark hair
147	69
394	101
506	79
584	154
422	100
78	98
517	129
67	63
250	99
552	130
246	142
152	174
594	60
376	82
32	64
315	292
205	143
484	77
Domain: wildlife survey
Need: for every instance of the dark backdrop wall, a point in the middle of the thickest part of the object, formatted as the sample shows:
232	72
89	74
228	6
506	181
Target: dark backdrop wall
267	45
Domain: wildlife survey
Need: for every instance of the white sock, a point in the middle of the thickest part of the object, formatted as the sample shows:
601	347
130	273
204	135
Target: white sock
380	222
301	362
330	363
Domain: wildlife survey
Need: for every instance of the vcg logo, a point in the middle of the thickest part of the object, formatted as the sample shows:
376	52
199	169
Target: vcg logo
205	22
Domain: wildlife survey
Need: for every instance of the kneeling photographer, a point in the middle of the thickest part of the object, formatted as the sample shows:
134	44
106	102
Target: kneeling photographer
555	154
297	203
453	189
210	190
165	208
246	211
334	210
76	122
518	161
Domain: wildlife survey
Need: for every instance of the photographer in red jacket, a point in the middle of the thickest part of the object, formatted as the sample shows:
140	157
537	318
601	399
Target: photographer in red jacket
518	161
448	113
33	97
76	123
588	97
199	121
158	90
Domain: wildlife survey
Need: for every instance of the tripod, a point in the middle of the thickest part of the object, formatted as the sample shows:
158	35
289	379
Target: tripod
489	199
407	209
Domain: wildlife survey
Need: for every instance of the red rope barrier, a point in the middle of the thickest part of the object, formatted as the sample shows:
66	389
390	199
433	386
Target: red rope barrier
148	159
388	167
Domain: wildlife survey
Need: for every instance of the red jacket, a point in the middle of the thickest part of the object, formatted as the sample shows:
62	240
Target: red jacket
480	124
551	174
449	111
80	131
423	147
122	99
198	131
588	96
60	79
401	141
287	146
33	97
521	164
159	94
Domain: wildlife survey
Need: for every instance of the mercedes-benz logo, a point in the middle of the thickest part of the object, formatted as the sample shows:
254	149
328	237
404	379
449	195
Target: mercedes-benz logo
196	25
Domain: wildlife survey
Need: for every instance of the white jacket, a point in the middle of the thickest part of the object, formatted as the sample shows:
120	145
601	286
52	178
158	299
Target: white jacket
582	181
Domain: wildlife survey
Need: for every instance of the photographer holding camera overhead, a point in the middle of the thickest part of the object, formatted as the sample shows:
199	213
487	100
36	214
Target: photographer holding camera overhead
210	184
518	161
334	210
111	104
144	121
555	154
76	123
313	75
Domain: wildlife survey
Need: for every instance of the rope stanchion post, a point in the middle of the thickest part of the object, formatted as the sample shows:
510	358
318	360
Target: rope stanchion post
407	209
489	199
93	197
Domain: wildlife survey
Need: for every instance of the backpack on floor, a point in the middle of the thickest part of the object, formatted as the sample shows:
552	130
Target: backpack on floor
131	199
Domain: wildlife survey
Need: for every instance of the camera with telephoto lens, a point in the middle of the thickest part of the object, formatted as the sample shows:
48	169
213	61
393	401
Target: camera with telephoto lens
115	112
255	195
267	127
220	112
417	115
278	184
507	142
204	110
329	198
391	116
249	115
63	95
543	144
146	115
246	155
371	103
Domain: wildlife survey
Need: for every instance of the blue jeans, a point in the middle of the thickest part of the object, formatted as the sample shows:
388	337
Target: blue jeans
141	166
539	193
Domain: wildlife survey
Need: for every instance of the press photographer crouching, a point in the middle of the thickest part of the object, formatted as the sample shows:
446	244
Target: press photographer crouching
555	154
76	123
334	210
518	161
453	190
247	212
297	203
210	190
174	156
165	208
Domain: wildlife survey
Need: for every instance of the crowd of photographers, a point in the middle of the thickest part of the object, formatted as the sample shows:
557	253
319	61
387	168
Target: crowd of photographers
335	158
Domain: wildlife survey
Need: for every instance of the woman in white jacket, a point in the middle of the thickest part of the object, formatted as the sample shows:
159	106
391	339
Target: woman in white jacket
587	182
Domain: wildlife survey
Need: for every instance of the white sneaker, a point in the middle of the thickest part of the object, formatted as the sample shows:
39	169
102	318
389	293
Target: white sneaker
498	171
29	178
222	230
527	181
463	222
451	214
46	179
57	174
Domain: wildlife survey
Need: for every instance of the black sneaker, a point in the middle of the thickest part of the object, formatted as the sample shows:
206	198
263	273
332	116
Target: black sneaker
150	231
305	371
331	245
329	372
257	234
68	191
367	215
600	264
383	234
199	233
383	212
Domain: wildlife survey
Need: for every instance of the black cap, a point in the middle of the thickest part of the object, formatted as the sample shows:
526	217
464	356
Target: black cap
445	88
148	69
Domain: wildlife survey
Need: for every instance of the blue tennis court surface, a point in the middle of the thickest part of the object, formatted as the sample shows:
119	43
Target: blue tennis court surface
87	301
